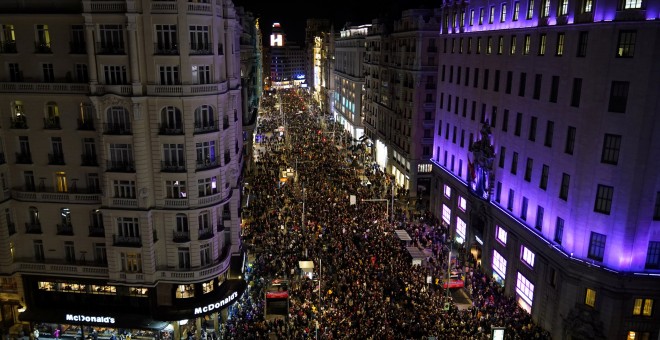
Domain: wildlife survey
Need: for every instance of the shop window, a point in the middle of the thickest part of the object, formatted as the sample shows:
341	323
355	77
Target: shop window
499	264
207	287
527	256
643	307
501	235
462	203
185	291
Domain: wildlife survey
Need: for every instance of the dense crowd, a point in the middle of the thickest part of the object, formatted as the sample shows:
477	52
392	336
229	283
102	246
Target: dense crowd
364	285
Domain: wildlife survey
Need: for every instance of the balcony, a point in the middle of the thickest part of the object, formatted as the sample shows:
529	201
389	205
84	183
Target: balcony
19	86
203	48
205	234
178	203
23	158
181	236
18	122
126	241
77	47
169	130
122	202
56	159
8	47
110	48
42	47
206	128
65	229
120	166
166	49
86	125
117	129
29	194
33	228
196	274
207	164
52	123
95	231
172	166
88	160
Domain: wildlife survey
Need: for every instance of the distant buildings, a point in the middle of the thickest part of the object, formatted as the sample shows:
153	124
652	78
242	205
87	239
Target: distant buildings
286	61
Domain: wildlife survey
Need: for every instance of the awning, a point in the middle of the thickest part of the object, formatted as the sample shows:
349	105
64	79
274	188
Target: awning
417	255
98	318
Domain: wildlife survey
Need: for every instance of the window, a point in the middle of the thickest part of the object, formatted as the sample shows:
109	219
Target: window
518	126
471	18
570	140
590	297
100	254
489	50
43	39
562	8
549	131
491	15
554	89
611	146
182	224
528	169
166	39
461	228
583	38
516	10
501	235
631	4
560	44
169	75
60	182
48	73
543	184
563	189
512	47
112	39
618	96
502	156
604	199
527	256
656	208
527	42
447	191
205	255
201	74
514	163
481	16
175	189
121	156
131	262
653	255
532	129
446	214
185	291
38	246
539	217
207	186
576	93
115	75
206	155
199	40
545	8
128	227
509	204
498	192
173	156
462	203
596	246
522	84
525	289
542	41
643	307
184	263
523	208
505	121
530	9
15	73
559	229
503	12
586	6
499	264
204	118
81	75
69	252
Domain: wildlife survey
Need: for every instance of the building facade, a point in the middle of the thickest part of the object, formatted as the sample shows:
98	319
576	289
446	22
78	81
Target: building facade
122	126
286	61
545	157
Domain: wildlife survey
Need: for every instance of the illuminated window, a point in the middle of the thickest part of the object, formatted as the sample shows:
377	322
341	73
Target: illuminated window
503	13
516	10
512	48
446	214
501	235
138	291
562	9
49	286
471	17
560	44
587	6
109	290
530	9
526	44
636	335
500	50
632	4
447	191
525	289
527	256
462	203
542	40
545	8
185	291
207	287
590	297
491	15
499	264
460	227
643	307
489	50
481	16
626	44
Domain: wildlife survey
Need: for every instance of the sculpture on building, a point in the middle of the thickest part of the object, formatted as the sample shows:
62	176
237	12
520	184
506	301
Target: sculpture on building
480	164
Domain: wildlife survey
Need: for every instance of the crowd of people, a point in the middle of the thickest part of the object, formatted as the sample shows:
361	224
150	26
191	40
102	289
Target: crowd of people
363	285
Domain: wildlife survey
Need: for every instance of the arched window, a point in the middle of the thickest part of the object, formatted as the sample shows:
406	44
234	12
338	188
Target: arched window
171	121
204	118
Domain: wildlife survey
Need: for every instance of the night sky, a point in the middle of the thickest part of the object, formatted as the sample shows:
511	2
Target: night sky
292	15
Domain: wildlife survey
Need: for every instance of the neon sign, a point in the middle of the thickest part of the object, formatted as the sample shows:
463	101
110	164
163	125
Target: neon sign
217	305
87	318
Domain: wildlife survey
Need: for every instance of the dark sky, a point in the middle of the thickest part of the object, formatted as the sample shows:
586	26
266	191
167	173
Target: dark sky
292	15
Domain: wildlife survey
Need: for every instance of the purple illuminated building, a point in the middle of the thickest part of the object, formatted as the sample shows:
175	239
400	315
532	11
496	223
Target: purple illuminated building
545	159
